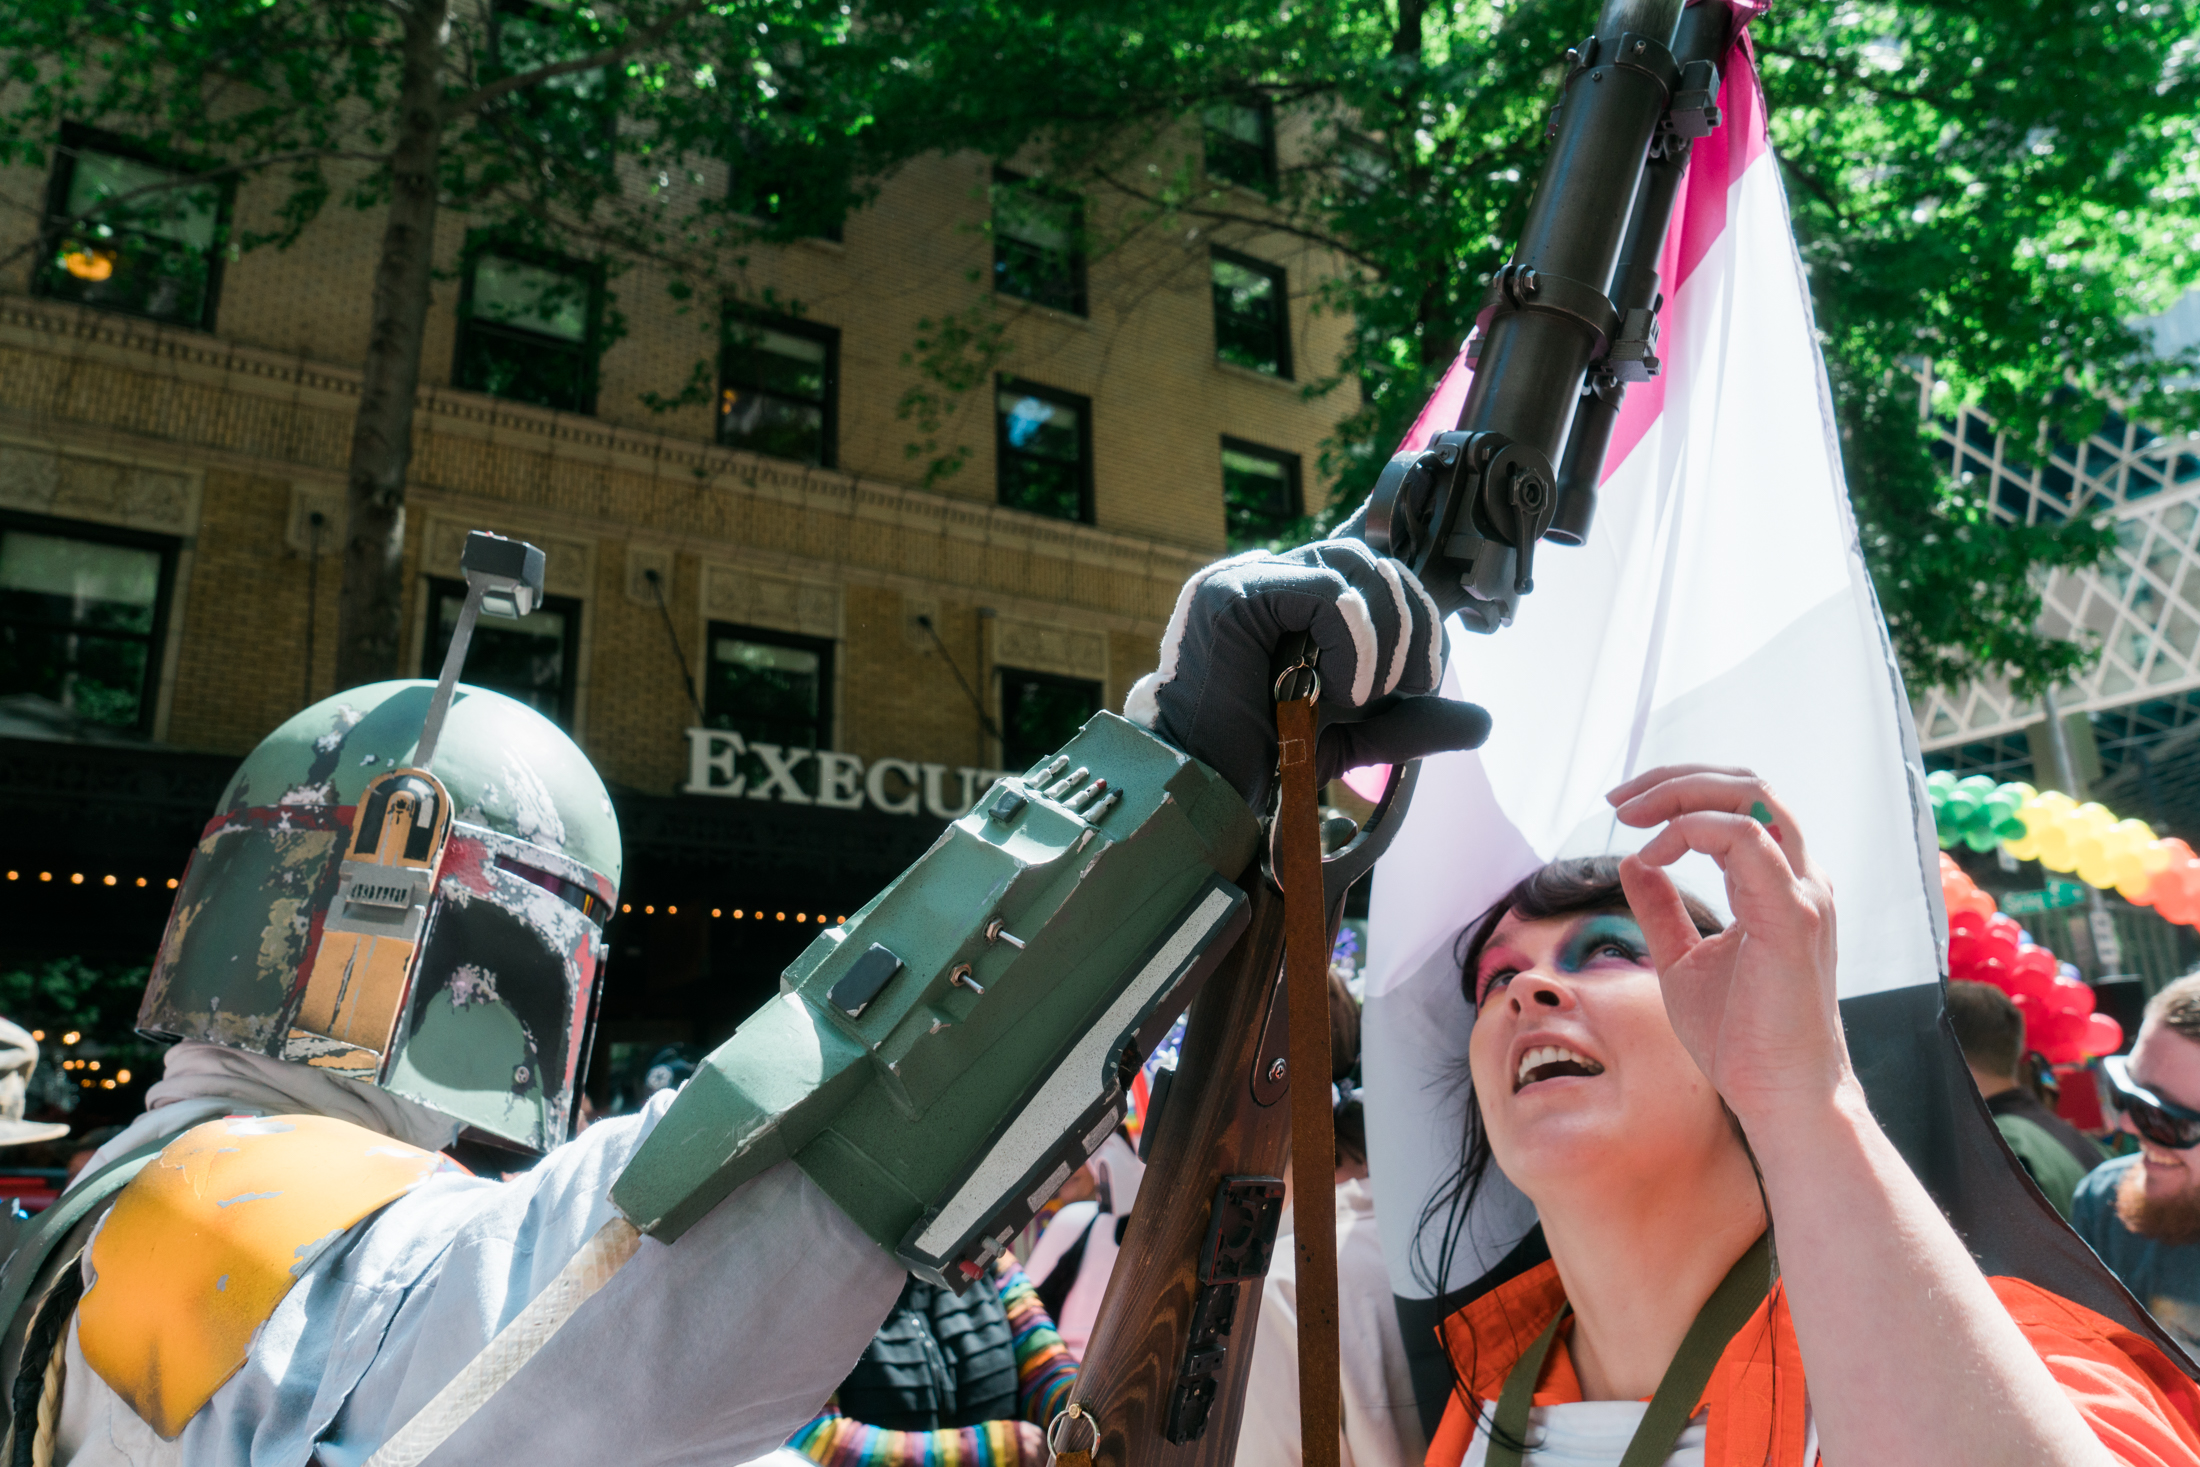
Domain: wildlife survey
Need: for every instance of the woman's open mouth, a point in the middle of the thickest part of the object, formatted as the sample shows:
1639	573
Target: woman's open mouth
1552	1062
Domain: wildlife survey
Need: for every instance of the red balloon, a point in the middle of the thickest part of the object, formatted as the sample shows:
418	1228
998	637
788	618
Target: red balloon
1990	970
2002	922
1964	951
2032	981
2067	997
2103	1035
1968	923
2056	1035
2002	945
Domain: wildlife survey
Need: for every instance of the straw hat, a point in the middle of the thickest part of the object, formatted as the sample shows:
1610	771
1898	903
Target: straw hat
18	1057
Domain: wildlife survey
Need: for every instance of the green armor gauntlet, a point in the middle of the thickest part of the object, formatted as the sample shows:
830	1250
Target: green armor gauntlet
943	1062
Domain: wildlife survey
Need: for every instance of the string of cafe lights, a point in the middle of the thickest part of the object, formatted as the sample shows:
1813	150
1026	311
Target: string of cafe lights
88	1067
738	914
741	914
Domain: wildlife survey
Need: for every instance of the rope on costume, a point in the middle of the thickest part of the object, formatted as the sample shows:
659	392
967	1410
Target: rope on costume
514	1345
49	1408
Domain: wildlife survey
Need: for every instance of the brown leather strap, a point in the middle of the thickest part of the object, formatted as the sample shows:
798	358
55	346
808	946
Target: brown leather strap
1298	868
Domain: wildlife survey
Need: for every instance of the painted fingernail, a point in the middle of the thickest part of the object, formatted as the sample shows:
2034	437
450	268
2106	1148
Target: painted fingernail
1763	816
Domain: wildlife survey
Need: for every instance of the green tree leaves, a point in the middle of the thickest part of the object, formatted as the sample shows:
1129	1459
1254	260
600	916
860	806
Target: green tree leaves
1996	186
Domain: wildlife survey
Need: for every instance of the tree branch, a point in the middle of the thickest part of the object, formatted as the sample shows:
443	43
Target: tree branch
648	36
1225	216
1853	76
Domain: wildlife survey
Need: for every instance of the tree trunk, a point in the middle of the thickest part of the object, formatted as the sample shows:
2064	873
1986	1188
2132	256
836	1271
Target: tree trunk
371	611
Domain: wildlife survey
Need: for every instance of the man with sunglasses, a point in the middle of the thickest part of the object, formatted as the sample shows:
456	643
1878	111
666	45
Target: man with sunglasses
2141	1213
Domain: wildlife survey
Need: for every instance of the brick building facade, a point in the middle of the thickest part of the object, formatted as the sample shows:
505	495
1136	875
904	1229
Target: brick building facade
171	477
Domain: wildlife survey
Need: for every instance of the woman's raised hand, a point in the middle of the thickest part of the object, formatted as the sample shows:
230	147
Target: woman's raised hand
1755	1005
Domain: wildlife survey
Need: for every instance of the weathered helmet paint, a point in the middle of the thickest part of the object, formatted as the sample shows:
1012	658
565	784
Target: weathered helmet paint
491	1023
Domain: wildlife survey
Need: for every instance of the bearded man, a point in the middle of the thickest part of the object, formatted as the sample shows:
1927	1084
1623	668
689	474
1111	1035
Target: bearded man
2141	1213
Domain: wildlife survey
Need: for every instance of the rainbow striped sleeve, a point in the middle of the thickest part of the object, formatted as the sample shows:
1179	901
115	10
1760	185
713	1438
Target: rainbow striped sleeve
835	1441
1045	1370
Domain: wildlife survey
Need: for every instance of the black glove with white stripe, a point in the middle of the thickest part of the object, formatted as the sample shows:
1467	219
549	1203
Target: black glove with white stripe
1381	654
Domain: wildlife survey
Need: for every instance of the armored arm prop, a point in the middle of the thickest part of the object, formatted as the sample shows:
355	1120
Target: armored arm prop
943	1062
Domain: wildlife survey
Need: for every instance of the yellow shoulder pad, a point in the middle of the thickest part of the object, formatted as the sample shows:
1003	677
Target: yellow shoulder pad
203	1243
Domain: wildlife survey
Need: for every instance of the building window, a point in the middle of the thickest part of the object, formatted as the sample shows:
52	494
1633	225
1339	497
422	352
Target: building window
82	617
1039	713
778	383
567	120
1252	323
1260	492
771	688
1044	448
535	659
527	328
151	252
1038	244
789	187
1240	139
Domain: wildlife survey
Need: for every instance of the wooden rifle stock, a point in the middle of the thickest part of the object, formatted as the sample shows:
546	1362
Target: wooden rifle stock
1214	1125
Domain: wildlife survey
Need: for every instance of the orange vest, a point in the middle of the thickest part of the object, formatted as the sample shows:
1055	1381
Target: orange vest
2143	1408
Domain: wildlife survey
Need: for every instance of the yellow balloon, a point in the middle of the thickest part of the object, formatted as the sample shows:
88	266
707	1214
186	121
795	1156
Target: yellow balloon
2128	870
2097	873
2097	817
2136	892
2043	811
2156	855
2024	848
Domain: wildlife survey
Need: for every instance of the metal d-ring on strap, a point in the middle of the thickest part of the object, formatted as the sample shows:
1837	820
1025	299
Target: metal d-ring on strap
1073	1456
1723	1314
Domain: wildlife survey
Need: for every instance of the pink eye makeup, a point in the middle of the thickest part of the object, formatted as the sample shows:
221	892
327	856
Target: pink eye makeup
1603	940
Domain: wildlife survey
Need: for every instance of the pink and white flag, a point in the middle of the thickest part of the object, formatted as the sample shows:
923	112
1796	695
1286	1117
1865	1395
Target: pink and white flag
1720	612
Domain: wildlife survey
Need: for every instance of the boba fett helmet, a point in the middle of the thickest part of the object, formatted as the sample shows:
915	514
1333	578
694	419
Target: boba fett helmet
406	885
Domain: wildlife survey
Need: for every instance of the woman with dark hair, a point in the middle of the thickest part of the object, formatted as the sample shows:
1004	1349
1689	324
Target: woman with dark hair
1732	1238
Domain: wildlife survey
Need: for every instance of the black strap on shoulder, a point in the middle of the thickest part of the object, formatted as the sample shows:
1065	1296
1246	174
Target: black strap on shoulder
1722	1316
43	1339
41	1269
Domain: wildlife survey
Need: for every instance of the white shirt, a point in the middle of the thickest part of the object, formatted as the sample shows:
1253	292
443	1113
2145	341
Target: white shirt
710	1350
1597	1434
1382	1425
1589	1434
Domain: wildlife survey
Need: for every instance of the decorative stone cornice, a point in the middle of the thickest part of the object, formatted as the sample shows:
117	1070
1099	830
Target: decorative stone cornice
566	444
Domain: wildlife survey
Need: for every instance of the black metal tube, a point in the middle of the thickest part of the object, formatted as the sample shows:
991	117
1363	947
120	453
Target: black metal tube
1643	17
1532	361
1706	33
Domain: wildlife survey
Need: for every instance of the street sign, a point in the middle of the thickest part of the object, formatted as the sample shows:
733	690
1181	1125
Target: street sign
2055	894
